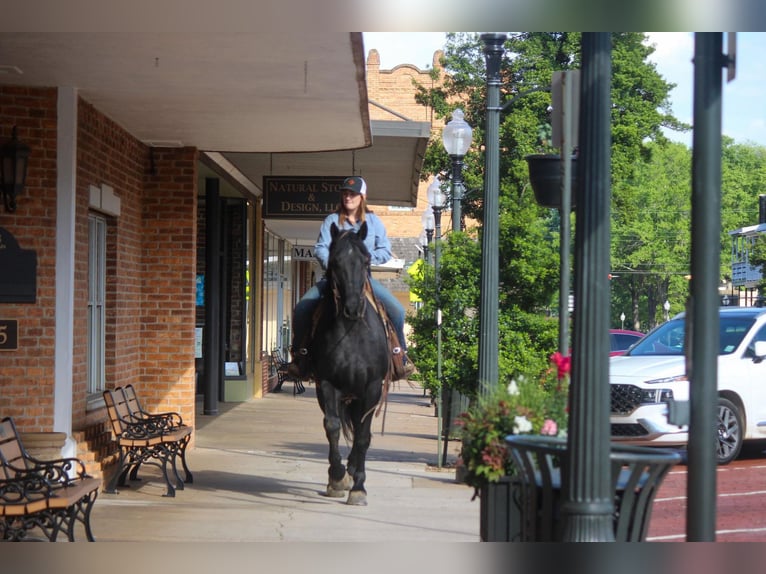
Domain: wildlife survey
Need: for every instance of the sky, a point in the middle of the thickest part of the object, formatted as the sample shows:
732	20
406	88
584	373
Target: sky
744	98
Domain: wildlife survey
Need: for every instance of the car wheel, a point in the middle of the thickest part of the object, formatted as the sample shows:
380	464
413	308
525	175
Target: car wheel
730	431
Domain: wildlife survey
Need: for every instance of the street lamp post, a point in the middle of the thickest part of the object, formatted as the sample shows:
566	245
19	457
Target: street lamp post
456	137
436	200
490	277
423	240
429	222
588	507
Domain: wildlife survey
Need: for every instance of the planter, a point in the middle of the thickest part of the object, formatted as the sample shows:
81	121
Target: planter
636	474
545	177
500	511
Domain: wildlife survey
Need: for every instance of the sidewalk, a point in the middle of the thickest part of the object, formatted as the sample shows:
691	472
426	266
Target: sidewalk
260	470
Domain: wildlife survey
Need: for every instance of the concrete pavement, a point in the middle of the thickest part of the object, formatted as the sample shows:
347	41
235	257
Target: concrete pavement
260	470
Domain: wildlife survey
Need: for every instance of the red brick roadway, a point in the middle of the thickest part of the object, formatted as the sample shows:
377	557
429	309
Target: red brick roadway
740	501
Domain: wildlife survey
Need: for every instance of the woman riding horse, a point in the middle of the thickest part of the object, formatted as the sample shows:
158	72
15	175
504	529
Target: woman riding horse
350	215
350	359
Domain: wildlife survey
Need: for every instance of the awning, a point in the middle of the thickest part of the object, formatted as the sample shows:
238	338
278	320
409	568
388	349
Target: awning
391	166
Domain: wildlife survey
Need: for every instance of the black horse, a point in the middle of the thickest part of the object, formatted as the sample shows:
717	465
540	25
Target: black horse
350	360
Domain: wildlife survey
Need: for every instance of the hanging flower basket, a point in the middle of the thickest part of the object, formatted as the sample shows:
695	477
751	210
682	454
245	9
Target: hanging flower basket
545	177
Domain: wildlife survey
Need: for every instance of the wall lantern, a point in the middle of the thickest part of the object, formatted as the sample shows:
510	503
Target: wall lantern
13	170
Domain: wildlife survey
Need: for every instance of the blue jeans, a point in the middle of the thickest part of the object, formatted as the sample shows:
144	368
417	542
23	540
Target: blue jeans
304	309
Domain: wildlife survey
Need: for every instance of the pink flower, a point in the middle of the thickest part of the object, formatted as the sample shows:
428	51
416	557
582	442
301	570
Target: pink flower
549	428
563	364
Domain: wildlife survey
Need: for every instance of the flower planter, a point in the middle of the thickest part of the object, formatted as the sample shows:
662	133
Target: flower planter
545	177
500	511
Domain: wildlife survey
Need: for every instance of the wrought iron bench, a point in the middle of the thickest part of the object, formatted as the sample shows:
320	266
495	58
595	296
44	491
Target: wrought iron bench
144	438
279	366
52	495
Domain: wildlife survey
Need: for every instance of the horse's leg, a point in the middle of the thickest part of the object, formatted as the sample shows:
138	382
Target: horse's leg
336	472
362	438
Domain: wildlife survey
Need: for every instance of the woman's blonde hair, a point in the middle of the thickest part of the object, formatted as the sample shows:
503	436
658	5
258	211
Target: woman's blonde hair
360	212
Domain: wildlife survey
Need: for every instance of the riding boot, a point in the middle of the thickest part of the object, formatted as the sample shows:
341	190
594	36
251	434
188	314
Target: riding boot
409	367
298	368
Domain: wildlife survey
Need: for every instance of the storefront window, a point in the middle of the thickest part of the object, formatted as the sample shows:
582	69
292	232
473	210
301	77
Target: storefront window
278	300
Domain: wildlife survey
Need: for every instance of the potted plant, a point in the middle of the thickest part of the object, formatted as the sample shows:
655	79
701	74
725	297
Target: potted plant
545	177
545	171
529	404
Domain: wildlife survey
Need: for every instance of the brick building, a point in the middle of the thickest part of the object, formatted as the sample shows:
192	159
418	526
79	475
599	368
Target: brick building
126	197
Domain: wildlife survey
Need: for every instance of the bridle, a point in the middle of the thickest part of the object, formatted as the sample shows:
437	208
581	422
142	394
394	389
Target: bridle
331	276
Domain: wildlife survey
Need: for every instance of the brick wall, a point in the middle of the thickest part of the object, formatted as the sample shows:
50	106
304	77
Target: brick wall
168	282
151	257
106	154
27	374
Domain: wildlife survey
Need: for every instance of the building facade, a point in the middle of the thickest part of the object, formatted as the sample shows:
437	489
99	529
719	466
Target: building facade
152	263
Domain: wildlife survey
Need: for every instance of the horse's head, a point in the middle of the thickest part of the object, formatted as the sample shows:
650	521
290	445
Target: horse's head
347	269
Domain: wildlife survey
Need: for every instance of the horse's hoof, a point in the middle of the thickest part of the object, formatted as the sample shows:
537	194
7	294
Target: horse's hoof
335	492
357	498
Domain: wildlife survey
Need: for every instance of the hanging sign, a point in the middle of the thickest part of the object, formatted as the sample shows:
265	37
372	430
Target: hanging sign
303	252
298	197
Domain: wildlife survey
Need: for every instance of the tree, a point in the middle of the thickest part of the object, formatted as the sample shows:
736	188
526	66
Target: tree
529	234
651	236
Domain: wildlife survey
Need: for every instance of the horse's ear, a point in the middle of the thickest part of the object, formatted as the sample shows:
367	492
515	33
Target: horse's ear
362	233
334	231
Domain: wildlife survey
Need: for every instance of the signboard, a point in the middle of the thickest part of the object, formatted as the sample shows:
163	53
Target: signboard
9	334
18	280
198	342
303	253
299	197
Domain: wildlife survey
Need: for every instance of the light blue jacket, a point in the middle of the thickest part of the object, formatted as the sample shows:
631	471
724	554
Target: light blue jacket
376	241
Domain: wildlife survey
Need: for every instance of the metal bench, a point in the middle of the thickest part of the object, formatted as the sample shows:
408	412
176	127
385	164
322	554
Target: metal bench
279	366
157	439
51	495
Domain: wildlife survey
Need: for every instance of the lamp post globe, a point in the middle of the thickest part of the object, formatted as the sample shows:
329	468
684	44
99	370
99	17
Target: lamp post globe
436	196
456	138
428	227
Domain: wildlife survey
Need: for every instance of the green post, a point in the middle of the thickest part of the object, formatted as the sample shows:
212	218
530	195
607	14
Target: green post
588	494
702	322
490	277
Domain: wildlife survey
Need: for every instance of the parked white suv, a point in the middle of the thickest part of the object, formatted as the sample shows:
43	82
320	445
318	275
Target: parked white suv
653	372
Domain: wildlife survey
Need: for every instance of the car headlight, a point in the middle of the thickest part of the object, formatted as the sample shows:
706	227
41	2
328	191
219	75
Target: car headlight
654	396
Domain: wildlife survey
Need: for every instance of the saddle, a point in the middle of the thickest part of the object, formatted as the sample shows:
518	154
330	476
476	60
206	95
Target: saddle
396	370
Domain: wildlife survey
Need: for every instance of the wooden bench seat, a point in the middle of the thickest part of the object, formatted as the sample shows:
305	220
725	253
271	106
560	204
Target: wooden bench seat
144	438
51	495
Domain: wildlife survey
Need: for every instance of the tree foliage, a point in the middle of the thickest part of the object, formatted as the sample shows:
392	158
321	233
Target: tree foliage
651	181
529	234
